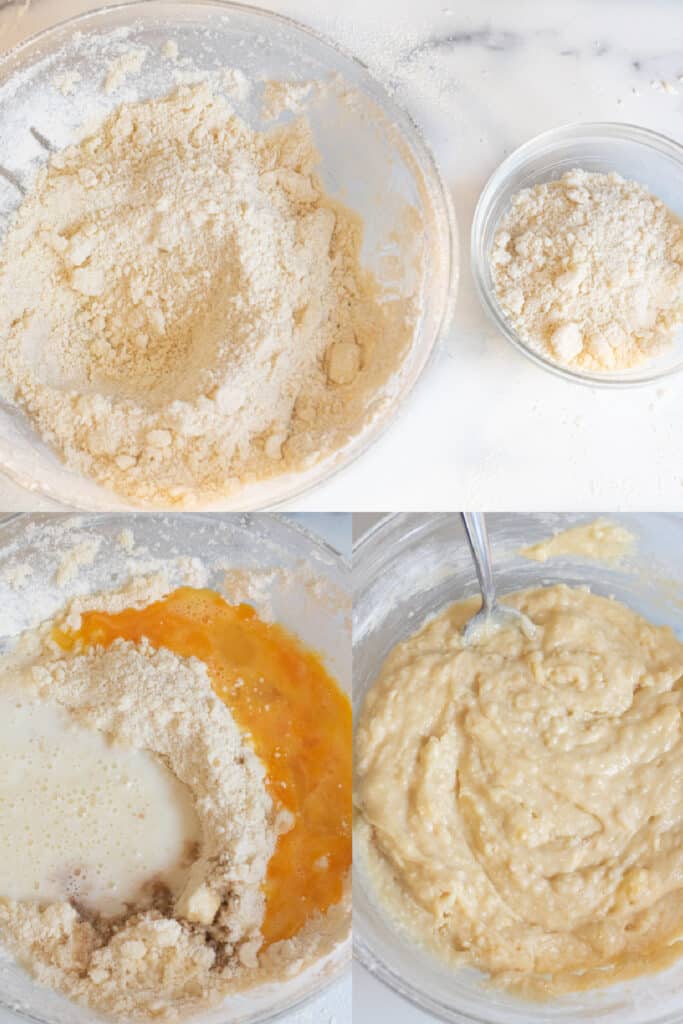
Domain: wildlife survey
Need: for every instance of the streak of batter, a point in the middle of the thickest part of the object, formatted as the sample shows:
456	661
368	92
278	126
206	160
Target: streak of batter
521	800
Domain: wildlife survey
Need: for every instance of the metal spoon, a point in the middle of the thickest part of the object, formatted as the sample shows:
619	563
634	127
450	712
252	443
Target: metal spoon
493	616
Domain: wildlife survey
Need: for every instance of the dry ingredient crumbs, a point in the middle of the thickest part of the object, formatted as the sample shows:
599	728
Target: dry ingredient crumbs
73	560
170	49
183	309
66	82
126	540
122	68
16	574
589	271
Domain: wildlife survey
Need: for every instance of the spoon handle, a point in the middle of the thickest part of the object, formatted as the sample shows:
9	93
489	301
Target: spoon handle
477	535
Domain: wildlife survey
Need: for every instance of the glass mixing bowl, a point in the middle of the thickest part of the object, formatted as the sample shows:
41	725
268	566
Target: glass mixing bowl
634	152
406	569
313	601
373	158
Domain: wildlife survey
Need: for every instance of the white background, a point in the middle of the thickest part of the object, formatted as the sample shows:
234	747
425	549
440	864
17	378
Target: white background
485	427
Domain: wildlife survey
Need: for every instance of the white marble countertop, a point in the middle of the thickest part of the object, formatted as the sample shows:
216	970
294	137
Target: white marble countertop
485	427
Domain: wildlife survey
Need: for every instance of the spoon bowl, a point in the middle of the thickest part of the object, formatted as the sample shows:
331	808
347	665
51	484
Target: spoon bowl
493	615
488	621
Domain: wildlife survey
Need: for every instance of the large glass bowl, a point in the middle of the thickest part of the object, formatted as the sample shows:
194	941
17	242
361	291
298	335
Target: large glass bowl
373	159
312	600
408	568
634	152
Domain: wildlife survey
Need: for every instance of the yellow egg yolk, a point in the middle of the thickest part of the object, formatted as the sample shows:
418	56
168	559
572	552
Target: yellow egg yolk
296	717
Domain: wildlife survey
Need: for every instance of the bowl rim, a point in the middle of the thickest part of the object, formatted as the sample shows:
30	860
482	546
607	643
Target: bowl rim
282	520
443	214
564	133
340	563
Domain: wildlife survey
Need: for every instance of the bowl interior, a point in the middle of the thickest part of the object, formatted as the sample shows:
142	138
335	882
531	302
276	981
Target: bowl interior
372	159
310	596
633	152
408	569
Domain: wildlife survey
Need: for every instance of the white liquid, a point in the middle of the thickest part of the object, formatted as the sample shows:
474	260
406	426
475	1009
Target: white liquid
81	818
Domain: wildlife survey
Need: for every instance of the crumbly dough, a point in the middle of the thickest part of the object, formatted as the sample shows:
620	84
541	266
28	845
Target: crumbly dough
599	541
74	559
520	803
170	955
589	271
183	309
126	64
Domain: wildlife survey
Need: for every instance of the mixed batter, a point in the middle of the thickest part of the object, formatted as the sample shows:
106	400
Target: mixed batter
190	765
520	800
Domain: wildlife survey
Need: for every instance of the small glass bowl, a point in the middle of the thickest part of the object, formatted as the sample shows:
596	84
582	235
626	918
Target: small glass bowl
634	152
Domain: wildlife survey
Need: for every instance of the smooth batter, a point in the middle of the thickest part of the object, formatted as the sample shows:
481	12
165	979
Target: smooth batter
521	800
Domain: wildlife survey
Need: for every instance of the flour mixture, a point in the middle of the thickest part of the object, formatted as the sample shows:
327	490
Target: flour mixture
183	309
589	271
189	767
520	799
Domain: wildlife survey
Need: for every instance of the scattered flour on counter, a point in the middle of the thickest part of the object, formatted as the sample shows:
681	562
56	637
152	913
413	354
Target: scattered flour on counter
663	85
589	271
